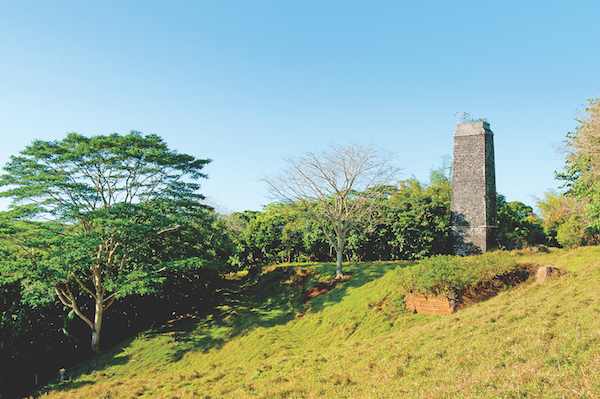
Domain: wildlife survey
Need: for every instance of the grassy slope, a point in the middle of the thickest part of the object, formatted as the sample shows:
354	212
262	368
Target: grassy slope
530	341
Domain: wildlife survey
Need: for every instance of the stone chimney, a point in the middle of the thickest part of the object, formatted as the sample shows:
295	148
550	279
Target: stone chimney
473	203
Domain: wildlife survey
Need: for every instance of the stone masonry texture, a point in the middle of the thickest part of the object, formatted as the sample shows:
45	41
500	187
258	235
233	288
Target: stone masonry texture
473	203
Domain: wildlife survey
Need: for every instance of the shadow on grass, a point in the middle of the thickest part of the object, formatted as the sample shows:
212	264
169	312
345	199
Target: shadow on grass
268	298
356	275
264	300
64	386
98	366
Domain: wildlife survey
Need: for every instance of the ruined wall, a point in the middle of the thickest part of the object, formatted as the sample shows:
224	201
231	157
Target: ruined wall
473	203
430	305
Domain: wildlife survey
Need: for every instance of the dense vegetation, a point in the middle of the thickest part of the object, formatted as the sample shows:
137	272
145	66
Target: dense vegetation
579	219
118	222
189	249
412	222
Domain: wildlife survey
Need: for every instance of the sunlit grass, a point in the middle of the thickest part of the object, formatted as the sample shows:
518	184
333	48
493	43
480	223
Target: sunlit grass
264	342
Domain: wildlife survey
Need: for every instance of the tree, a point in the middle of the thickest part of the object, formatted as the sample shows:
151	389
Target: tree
111	214
571	233
582	169
556	209
518	225
420	218
263	235
337	188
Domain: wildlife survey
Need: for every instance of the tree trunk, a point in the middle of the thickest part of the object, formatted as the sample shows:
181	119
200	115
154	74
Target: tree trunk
339	249
67	299
97	326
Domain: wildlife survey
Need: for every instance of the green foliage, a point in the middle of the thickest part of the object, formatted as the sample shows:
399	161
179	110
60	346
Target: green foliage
581	174
120	209
33	340
518	225
443	274
412	221
66	179
571	233
399	301
281	233
465	117
555	209
420	220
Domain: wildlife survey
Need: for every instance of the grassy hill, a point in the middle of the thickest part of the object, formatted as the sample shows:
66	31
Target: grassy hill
268	339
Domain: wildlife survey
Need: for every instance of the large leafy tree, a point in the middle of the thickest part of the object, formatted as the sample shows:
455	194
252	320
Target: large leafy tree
582	169
101	218
337	188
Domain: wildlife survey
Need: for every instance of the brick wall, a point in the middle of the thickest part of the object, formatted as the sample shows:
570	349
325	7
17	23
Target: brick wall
430	305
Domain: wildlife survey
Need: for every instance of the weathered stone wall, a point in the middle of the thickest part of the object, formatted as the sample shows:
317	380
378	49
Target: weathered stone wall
473	203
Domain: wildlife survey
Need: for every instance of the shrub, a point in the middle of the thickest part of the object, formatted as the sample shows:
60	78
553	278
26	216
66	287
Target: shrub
571	233
443	274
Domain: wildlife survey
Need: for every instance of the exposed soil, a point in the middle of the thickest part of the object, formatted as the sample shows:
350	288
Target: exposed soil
322	288
487	289
302	276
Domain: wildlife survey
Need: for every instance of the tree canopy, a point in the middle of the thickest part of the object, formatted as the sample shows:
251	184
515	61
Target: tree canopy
582	169
102	218
582	178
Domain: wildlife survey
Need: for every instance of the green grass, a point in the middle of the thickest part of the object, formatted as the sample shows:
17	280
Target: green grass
262	341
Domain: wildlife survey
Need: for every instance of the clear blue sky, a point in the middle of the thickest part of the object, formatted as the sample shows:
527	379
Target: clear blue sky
246	83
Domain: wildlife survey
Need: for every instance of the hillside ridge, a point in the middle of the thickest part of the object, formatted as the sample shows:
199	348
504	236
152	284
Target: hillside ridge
357	341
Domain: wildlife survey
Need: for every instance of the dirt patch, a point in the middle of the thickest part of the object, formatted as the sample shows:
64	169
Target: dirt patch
298	278
322	288
301	276
484	290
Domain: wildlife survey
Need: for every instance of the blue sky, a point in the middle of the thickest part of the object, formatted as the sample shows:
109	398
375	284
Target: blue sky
247	83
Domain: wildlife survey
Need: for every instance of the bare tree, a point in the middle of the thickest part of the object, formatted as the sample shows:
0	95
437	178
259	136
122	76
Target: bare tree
337	188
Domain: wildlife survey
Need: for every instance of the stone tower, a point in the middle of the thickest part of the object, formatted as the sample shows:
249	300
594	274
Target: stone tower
473	203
